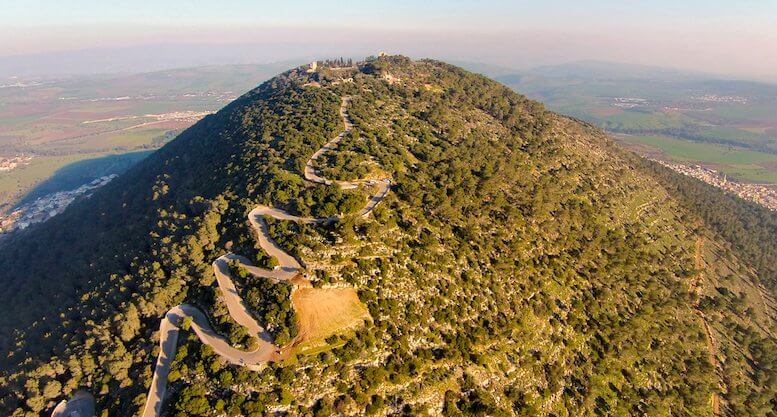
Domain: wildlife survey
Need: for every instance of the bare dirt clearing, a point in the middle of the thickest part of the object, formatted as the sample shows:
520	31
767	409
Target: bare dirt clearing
322	311
325	311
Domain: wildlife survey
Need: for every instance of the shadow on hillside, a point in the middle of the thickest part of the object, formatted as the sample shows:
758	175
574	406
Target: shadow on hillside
82	172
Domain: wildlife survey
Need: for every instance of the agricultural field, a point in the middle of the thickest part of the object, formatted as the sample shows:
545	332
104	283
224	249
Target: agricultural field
727	125
752	166
81	128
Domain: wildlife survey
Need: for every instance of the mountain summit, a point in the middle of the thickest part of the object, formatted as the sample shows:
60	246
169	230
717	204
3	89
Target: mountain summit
392	237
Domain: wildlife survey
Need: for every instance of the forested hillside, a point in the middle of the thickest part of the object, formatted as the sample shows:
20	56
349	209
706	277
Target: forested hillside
522	265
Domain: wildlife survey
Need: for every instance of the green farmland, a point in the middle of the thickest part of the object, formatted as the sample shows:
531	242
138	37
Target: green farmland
746	165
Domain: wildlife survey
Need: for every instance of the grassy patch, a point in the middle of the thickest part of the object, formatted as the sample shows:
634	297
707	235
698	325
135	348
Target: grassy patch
744	164
17	181
645	120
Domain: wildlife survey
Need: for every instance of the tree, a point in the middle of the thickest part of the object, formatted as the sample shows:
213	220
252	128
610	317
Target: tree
52	389
129	324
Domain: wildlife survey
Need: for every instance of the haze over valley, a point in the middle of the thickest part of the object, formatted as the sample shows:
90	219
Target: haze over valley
388	209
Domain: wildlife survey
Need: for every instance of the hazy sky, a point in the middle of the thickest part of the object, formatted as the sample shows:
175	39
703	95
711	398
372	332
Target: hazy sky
735	37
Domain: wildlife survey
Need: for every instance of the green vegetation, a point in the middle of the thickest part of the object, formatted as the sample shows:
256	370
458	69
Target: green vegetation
14	184
521	265
81	172
270	302
349	162
751	229
684	110
47	121
736	293
644	121
740	163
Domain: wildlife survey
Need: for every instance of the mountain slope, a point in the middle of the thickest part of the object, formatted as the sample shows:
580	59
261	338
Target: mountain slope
521	265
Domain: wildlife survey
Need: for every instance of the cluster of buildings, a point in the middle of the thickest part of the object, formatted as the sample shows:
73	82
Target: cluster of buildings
176	116
696	103
689	107
721	99
628	102
180	116
20	84
8	164
47	206
760	194
220	96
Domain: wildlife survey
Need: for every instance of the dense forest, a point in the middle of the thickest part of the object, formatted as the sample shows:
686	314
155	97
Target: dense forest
522	265
750	228
268	301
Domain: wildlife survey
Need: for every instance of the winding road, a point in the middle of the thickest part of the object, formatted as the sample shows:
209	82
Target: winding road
80	405
289	269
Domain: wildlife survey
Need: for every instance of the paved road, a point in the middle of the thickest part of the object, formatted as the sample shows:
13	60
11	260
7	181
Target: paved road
289	268
168	343
236	306
286	262
81	404
310	172
384	186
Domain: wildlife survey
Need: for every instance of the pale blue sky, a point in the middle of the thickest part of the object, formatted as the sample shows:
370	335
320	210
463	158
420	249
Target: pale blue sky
730	36
480	15
397	13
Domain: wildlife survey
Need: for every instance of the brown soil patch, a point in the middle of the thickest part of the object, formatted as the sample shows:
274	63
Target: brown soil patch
300	281
323	312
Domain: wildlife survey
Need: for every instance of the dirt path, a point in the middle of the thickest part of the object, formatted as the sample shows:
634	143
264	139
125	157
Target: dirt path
288	269
712	347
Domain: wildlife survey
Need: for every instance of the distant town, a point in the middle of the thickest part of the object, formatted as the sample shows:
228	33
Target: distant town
702	102
714	98
628	102
9	164
20	84
221	96
178	116
47	206
757	193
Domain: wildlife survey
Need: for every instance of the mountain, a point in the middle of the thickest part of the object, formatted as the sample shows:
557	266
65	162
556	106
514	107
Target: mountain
147	57
591	72
393	237
691	118
616	71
